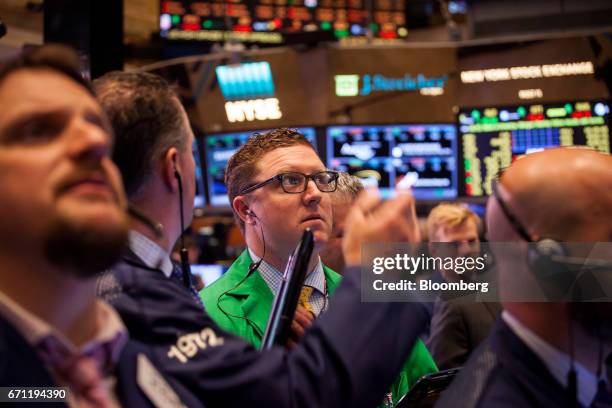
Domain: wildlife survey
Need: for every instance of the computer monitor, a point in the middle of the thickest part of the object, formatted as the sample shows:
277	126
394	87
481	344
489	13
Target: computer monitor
208	273
421	156
493	137
200	196
219	149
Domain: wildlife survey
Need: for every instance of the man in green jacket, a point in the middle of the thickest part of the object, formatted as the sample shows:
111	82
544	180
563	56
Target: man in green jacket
268	181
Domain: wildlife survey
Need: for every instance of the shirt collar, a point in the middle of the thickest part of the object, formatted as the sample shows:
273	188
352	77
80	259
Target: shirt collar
151	254
273	277
557	361
108	326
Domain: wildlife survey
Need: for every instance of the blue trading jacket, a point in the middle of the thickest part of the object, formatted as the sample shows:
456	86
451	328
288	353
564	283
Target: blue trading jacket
20	366
348	358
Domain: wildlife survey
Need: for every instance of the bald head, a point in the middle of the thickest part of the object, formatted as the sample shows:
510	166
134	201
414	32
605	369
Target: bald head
564	193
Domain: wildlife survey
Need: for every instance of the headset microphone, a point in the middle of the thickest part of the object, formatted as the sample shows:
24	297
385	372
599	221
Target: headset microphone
154	226
183	251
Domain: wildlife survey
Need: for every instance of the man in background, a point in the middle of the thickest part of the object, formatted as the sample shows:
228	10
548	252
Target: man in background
459	326
342	199
545	354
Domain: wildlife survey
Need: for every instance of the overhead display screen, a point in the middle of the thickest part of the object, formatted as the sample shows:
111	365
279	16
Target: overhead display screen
265	21
494	137
420	156
219	149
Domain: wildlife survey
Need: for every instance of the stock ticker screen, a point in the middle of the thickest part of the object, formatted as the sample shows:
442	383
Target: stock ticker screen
219	149
420	156
493	137
265	21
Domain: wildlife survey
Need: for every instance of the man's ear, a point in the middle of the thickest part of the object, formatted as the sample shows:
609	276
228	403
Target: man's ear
241	207
171	166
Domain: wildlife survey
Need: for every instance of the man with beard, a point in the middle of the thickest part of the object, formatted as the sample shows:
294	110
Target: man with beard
63	221
544	354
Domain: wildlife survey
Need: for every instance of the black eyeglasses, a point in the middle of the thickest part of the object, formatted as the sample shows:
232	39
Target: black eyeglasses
295	183
514	222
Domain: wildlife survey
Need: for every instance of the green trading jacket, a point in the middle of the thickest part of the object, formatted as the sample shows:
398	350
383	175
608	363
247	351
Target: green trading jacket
253	300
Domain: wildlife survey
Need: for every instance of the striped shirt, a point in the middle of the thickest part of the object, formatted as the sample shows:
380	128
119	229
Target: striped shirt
315	279
151	254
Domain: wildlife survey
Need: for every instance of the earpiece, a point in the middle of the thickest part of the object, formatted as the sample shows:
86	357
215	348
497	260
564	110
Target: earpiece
177	175
545	257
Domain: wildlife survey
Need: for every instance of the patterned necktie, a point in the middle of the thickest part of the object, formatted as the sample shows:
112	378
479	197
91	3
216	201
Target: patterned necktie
83	373
304	300
312	300
177	274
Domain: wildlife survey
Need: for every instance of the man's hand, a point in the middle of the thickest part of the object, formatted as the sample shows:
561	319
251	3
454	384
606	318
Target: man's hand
302	320
372	221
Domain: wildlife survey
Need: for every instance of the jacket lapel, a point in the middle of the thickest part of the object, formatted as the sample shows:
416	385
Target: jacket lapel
258	303
256	298
332	279
527	368
254	295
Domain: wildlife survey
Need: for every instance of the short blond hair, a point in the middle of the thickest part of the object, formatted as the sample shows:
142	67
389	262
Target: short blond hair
449	215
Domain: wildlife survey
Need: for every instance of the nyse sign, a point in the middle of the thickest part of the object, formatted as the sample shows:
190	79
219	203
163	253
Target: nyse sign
251	110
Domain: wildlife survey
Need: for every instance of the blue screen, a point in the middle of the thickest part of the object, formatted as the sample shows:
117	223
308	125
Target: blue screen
200	197
420	156
219	149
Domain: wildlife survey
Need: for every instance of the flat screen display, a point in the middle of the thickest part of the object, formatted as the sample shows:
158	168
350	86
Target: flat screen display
493	137
422	156
219	149
200	196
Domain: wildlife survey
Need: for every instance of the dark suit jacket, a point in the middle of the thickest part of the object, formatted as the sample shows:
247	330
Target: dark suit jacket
348	358
504	372
457	329
20	366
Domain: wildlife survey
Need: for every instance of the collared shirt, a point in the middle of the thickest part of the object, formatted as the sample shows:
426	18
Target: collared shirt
151	254
557	362
315	278
109	326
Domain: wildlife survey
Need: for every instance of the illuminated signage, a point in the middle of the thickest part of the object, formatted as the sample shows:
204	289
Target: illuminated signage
433	91
530	93
245	81
349	85
249	92
250	110
527	72
218	35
